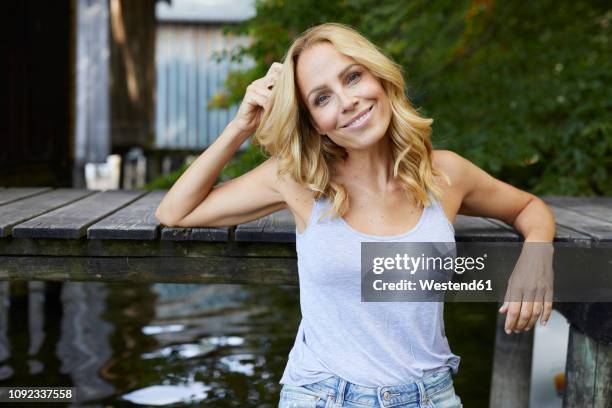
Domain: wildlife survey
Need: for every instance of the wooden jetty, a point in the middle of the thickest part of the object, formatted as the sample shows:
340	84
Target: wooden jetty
82	235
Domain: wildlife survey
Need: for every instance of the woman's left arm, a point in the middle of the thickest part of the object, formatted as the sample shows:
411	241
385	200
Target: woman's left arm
484	196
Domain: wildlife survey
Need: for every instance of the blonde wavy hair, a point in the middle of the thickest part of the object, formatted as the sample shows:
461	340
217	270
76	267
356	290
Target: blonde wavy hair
286	132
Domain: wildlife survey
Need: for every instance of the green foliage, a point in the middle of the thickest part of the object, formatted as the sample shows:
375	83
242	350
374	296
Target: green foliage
166	181
244	162
520	88
238	165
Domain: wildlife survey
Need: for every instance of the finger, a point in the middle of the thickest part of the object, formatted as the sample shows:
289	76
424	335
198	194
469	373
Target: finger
547	312
514	309
261	90
274	69
255	99
261	82
271	81
263	97
529	298
538	307
547	307
504	307
274	72
266	82
526	309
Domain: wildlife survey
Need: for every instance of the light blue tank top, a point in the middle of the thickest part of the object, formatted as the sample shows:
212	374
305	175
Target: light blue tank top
367	343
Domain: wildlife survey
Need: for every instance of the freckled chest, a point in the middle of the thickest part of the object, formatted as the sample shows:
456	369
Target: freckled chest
389	215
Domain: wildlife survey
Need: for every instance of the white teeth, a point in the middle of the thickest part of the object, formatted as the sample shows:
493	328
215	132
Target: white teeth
359	120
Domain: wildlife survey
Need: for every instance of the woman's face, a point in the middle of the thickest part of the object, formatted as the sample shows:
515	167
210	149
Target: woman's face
346	102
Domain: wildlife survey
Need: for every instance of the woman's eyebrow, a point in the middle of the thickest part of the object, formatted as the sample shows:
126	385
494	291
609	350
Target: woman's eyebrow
340	75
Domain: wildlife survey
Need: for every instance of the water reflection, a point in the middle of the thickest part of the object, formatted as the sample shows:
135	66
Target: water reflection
83	347
129	345
148	345
160	395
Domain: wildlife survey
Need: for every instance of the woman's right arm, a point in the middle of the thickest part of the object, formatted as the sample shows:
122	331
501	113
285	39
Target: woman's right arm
193	201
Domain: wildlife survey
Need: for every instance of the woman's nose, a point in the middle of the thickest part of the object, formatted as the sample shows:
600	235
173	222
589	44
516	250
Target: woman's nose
347	101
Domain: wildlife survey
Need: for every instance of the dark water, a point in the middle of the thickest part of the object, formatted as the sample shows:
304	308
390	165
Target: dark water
179	345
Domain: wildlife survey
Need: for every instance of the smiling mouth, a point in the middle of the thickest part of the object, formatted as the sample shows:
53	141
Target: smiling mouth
361	120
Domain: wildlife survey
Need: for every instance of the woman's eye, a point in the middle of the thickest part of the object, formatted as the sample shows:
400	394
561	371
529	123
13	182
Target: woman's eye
320	99
353	76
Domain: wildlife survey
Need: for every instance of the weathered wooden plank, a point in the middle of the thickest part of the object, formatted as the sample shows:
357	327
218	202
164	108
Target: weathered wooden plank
511	378
195	234
135	221
599	208
99	248
580	370
562	234
27	208
469	229
71	221
276	227
598	230
280	227
595	207
8	195
211	269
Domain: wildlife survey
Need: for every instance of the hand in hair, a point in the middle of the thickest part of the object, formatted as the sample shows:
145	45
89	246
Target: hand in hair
193	201
255	100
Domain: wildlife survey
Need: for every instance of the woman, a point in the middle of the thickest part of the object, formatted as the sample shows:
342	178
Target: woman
352	160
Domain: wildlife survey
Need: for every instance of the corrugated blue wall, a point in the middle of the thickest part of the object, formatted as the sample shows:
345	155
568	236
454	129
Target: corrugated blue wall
187	78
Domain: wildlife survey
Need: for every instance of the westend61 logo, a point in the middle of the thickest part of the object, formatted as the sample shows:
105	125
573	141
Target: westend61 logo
412	264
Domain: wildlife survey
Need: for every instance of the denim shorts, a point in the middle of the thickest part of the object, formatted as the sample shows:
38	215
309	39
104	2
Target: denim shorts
435	390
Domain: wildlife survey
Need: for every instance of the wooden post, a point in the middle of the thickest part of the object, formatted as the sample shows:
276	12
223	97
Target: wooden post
511	367
588	372
132	72
5	350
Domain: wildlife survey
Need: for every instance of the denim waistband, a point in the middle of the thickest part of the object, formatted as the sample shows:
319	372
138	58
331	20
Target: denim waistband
387	396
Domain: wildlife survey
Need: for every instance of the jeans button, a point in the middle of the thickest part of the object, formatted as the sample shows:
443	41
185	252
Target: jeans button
386	396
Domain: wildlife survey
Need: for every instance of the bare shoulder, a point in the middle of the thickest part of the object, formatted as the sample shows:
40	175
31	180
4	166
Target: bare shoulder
448	162
298	199
452	166
477	193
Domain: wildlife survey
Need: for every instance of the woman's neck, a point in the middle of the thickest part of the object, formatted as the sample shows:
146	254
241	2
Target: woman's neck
368	169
